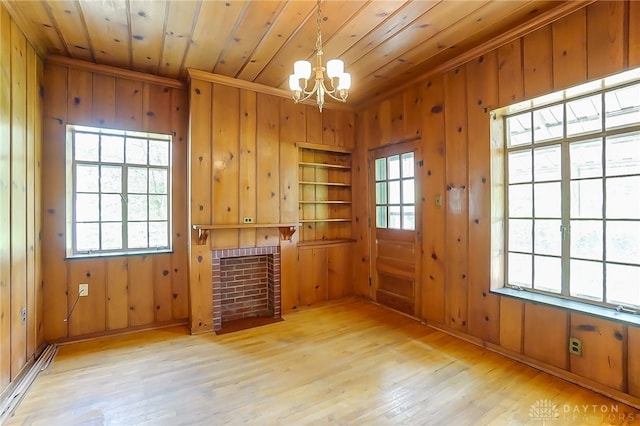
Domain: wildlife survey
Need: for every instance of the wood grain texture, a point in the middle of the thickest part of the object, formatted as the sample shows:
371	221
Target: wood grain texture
546	334
605	38
510	74
511	325
537	62
351	363
570	50
633	361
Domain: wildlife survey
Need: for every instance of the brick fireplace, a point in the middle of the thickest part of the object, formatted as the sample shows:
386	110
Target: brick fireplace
246	283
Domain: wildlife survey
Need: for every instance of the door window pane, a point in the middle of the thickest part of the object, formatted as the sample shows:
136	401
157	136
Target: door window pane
408	191
381	192
394	192
381	216
394	217
409	218
394	167
407	165
381	168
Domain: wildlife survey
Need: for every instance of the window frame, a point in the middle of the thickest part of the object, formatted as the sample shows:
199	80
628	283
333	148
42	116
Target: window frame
71	247
500	186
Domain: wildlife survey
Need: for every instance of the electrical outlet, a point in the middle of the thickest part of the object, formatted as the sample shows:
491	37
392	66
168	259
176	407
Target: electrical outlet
575	346
248	220
83	290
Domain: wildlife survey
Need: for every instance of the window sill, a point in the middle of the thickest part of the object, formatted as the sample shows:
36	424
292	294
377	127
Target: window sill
570	305
118	254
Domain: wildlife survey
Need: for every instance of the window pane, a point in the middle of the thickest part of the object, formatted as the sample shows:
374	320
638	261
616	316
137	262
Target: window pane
158	153
394	217
137	180
623	198
586	199
137	234
381	168
136	151
547	199
137	207
520	166
158	181
548	275
586	279
520	270
623	241
586	239
87	236
548	123
623	154
546	163
520	201
381	216
623	284
394	192
112	149
111	179
158	234
111	207
408	217
586	158
158	207
519	129
381	192
407	165
87	207
584	115
520	235
112	236
394	167
547	237
408	192
622	106
87	178
86	147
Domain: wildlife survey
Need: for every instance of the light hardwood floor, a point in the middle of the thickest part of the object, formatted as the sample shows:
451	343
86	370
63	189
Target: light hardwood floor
348	362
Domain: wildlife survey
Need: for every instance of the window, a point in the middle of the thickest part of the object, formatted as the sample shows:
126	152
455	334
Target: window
120	196
572	199
395	192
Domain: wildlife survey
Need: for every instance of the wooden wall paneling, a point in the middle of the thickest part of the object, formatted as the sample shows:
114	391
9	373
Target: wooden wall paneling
413	111
482	96
633	42
397	123
434	194
605	38
89	314
5	199
384	125
19	212
54	269
292	125
360	206
330	128
456	225
39	98
161	268
633	360
339	261
179	267
80	99
308	193
268	165
323	231
511	324
32	94
200	182
156	107
225	122
313	275
315	129
117	291
248	124
537	60
129	104
141	301
546	334
603	346
104	107
570	50
349	129
510	76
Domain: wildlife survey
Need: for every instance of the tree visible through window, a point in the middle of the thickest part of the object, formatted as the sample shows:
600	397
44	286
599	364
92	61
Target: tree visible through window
120	191
573	193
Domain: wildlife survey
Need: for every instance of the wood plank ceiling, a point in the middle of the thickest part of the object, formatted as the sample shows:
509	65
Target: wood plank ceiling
383	43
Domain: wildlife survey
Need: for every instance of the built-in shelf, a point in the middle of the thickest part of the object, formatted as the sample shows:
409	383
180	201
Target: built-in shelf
286	229
325	183
324	220
325	202
324	165
324	243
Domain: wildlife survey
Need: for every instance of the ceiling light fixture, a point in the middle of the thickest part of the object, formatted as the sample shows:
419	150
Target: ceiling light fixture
339	81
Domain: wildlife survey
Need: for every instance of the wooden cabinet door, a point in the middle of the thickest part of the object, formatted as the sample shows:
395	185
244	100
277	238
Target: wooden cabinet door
312	275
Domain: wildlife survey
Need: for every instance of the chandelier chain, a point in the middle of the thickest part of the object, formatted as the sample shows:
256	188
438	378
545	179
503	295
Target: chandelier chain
319	34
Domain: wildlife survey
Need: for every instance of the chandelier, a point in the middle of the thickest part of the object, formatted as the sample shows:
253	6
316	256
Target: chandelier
339	81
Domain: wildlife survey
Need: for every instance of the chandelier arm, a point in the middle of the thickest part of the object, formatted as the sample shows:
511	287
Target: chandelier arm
308	94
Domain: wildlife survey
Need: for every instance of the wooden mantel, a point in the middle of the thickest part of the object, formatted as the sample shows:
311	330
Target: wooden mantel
286	229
